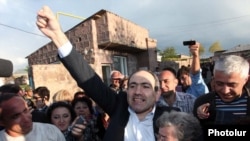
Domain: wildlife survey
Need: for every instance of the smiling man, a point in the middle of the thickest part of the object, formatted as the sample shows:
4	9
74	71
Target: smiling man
132	114
230	100
17	120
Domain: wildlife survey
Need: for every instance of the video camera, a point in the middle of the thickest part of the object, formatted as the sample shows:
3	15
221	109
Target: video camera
6	68
189	43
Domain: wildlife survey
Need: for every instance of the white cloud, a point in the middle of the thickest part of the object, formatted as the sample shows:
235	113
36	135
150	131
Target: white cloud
169	22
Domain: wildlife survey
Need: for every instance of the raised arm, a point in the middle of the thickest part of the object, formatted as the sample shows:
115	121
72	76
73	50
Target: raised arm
49	26
194	50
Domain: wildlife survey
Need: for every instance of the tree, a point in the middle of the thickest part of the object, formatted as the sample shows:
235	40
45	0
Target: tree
201	50
168	54
215	47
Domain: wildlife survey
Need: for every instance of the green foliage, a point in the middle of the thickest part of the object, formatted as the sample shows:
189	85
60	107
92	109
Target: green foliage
215	47
168	54
201	50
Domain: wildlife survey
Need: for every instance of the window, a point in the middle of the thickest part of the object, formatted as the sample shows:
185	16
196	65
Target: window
106	69
120	63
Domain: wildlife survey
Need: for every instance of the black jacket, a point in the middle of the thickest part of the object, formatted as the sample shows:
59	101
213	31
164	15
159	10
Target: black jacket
210	98
115	105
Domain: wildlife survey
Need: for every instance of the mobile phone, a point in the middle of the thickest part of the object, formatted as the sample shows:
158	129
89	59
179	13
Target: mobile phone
80	120
189	43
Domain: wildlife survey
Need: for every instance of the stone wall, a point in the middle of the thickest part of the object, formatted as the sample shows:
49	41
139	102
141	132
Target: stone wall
55	77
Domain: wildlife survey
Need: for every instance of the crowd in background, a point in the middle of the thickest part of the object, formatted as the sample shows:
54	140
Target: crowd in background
167	105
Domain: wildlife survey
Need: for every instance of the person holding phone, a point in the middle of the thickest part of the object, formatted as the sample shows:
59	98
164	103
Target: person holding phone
62	115
94	123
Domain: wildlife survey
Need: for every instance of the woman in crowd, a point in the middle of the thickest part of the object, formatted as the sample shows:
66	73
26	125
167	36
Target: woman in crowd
178	126
62	115
94	129
62	95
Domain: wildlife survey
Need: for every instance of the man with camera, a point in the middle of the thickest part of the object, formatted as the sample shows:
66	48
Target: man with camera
191	78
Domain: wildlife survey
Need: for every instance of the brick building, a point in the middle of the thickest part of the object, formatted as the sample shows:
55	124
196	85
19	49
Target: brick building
107	41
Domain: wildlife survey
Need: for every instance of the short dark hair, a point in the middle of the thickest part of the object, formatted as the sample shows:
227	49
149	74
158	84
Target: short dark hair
10	88
183	70
5	97
172	70
43	92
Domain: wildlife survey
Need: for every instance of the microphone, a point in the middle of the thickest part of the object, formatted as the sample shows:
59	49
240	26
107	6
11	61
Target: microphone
6	68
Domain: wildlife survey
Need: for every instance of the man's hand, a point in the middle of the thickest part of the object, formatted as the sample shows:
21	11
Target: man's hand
202	111
194	49
49	26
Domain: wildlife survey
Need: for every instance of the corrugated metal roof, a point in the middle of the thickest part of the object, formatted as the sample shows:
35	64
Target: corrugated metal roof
238	48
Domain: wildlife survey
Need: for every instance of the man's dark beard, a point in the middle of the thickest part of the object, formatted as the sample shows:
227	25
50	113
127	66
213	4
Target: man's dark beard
185	88
168	94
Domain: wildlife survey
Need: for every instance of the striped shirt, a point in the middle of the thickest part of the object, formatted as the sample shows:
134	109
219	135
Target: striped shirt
228	112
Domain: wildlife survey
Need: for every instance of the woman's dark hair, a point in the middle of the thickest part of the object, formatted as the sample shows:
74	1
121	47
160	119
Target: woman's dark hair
78	94
83	100
55	105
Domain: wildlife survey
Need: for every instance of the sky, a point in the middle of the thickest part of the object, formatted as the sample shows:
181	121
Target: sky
170	22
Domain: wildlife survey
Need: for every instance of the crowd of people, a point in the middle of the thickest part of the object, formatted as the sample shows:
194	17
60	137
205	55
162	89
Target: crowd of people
142	107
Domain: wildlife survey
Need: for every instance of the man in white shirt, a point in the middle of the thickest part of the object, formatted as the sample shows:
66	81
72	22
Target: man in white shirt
132	113
16	118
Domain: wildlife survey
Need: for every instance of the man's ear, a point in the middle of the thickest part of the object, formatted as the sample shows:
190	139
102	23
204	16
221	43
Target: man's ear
158	94
176	81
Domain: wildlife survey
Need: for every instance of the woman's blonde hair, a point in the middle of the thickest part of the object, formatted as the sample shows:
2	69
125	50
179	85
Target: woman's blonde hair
62	95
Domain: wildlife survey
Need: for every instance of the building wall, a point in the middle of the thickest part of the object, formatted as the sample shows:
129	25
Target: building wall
87	36
55	77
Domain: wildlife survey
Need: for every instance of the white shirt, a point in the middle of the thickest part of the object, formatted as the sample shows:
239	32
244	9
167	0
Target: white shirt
65	50
40	132
137	130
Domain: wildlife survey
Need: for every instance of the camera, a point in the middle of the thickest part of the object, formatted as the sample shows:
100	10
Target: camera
80	120
189	43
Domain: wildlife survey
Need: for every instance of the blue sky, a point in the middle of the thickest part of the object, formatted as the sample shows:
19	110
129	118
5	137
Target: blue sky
168	21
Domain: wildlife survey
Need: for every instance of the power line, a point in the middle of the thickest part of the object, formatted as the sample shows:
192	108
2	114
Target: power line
219	22
21	30
223	21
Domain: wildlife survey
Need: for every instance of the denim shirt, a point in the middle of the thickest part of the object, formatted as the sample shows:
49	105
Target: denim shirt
198	86
184	101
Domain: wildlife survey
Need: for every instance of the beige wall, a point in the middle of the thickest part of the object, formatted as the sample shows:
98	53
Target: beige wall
55	77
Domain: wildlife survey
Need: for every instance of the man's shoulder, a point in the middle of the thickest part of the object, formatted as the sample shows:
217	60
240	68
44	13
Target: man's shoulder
185	95
166	109
209	97
43	126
